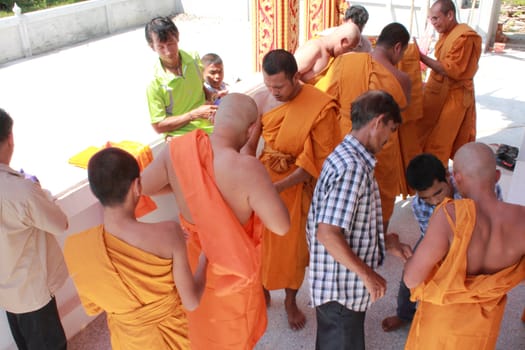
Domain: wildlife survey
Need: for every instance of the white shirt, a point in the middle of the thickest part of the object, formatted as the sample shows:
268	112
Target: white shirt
32	266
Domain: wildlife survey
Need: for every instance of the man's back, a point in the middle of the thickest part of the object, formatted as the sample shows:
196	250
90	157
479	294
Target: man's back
498	239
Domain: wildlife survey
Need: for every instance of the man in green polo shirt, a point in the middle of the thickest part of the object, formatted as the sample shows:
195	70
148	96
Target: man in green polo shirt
176	96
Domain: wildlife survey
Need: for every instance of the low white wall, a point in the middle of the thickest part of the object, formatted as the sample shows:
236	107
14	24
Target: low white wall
231	9
37	32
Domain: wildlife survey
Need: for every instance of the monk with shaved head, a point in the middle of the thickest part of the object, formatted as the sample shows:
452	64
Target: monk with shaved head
471	256
315	55
222	196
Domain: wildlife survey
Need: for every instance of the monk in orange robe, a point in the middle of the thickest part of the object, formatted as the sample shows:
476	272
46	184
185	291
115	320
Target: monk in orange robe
410	144
449	106
472	254
222	195
298	135
353	74
137	273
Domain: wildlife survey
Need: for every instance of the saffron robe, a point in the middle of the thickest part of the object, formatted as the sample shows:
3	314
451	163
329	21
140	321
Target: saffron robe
449	106
299	133
135	289
457	311
232	311
349	76
410	144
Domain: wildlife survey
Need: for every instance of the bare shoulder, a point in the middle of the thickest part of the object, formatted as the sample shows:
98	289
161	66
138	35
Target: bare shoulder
164	234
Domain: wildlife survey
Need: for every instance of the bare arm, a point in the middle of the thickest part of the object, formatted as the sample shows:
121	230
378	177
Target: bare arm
306	57
396	247
154	177
435	65
332	238
430	251
189	286
297	176
250	148
178	121
265	201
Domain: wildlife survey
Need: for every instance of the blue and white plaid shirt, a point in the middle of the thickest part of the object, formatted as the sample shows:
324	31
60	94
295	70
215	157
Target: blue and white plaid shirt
423	211
346	196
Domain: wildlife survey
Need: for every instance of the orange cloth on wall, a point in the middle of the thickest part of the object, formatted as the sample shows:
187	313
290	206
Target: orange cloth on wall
232	312
457	311
134	288
348	77
449	106
142	154
299	133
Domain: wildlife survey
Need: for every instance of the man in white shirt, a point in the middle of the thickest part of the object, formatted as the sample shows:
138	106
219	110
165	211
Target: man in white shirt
32	266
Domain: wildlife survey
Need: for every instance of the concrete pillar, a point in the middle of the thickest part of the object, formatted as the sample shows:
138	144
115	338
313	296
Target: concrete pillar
488	21
22	30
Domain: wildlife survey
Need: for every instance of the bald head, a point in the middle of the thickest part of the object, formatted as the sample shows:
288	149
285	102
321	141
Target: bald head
348	31
236	112
476	162
345	37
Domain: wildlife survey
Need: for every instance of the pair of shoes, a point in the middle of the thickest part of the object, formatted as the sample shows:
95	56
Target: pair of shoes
393	323
506	156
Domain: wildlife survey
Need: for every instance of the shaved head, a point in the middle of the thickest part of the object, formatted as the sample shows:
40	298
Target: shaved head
476	161
348	31
237	111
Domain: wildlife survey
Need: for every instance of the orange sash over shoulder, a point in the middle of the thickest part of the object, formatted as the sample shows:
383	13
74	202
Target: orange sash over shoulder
232	312
457	311
299	133
134	287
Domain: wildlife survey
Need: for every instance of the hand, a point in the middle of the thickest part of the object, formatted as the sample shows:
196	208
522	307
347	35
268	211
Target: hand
222	93
375	284
204	112
396	248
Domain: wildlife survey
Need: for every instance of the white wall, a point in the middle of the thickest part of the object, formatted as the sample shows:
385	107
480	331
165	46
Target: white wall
42	31
231	9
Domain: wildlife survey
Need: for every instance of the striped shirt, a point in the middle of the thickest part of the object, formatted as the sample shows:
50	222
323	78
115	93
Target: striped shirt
423	210
346	196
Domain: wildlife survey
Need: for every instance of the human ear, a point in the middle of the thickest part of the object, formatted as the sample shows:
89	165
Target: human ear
498	175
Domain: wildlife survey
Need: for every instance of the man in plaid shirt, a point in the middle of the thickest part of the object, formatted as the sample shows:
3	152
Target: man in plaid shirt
345	228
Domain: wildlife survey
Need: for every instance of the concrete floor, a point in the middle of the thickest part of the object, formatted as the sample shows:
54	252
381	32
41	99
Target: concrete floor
86	95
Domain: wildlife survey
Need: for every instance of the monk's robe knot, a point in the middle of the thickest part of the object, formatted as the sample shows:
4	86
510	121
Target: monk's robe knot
278	161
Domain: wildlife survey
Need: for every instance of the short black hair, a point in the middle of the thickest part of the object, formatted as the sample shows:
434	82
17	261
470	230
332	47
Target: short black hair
423	170
371	104
445	6
211	58
358	15
111	172
6	125
163	27
277	61
392	34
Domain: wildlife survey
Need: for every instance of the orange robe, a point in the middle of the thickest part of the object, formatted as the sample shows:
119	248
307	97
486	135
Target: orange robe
410	144
299	133
232	312
457	311
449	106
350	76
135	289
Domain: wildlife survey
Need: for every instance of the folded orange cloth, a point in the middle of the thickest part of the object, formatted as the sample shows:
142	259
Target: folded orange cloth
140	151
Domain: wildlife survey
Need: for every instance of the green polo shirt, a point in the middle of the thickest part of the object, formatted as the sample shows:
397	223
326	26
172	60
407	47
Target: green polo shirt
172	95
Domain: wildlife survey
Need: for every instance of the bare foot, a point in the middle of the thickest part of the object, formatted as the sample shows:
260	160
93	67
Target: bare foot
267	297
296	318
392	323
